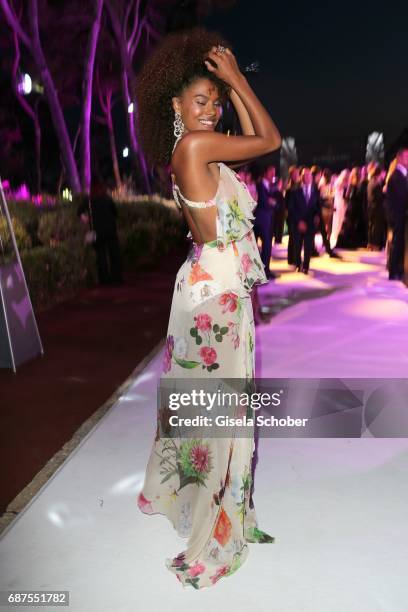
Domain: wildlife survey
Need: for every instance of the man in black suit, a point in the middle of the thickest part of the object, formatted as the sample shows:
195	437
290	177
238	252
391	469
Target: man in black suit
305	214
292	184
101	214
397	207
264	216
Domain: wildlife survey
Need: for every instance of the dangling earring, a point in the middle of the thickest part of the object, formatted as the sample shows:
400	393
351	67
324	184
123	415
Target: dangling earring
178	125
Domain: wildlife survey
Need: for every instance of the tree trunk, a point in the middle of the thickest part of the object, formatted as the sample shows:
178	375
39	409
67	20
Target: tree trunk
134	146
115	162
142	159
129	116
37	130
57	115
62	175
127	79
87	83
31	112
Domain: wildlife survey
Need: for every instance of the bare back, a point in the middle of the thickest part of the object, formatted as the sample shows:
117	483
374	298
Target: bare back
195	185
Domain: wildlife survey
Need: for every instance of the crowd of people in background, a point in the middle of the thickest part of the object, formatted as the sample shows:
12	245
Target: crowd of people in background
364	207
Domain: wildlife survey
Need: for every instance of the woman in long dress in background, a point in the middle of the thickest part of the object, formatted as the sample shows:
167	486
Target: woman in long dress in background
339	207
327	197
350	235
203	485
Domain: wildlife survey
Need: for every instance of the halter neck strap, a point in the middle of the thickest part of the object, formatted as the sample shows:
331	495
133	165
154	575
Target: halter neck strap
176	142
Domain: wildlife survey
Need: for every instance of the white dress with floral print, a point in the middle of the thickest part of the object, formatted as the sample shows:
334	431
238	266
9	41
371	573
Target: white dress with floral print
203	485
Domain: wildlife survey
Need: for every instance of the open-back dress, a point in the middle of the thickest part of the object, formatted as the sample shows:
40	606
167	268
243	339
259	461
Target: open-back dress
203	486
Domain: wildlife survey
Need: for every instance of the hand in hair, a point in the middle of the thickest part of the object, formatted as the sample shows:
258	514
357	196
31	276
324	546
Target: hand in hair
223	65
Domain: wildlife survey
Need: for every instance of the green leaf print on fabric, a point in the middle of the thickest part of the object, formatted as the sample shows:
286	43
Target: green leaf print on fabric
235	213
191	462
255	535
236	564
185	363
245	488
251	342
193	582
221	333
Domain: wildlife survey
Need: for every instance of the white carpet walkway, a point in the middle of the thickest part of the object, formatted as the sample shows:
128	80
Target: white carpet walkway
338	508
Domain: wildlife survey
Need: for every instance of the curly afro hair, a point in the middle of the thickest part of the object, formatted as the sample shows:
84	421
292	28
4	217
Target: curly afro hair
176	63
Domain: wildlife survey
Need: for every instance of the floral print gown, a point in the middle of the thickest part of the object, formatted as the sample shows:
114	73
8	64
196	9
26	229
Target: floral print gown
203	486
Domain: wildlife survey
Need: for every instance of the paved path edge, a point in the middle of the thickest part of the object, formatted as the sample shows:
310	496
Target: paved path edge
28	494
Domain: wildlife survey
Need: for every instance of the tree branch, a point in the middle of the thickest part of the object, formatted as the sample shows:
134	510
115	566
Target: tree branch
14	23
135	44
57	115
136	22
23	102
151	30
126	18
87	96
99	119
99	90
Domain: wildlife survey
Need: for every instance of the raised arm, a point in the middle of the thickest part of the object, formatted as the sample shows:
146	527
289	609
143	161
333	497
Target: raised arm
245	122
243	115
212	146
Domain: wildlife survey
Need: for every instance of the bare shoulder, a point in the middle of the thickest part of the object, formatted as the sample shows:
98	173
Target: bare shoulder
193	144
193	141
203	146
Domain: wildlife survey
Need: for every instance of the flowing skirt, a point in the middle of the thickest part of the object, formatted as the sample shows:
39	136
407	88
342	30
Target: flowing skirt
338	218
203	485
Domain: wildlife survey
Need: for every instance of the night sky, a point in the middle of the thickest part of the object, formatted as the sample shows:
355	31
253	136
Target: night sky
329	73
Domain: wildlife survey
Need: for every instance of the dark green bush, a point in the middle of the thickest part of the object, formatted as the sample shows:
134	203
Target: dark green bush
55	274
61	225
29	215
60	263
23	240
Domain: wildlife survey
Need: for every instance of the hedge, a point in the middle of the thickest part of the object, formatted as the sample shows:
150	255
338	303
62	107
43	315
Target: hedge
56	260
54	274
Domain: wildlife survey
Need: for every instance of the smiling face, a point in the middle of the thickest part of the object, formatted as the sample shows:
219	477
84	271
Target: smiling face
199	105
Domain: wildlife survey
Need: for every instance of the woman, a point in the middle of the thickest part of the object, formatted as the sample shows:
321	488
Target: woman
350	233
326	195
391	169
339	209
204	485
377	224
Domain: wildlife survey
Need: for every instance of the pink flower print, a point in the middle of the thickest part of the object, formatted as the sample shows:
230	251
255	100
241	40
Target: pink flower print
144	504
208	355
179	560
246	262
203	322
196	569
199	458
168	353
229	300
233	332
222	571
